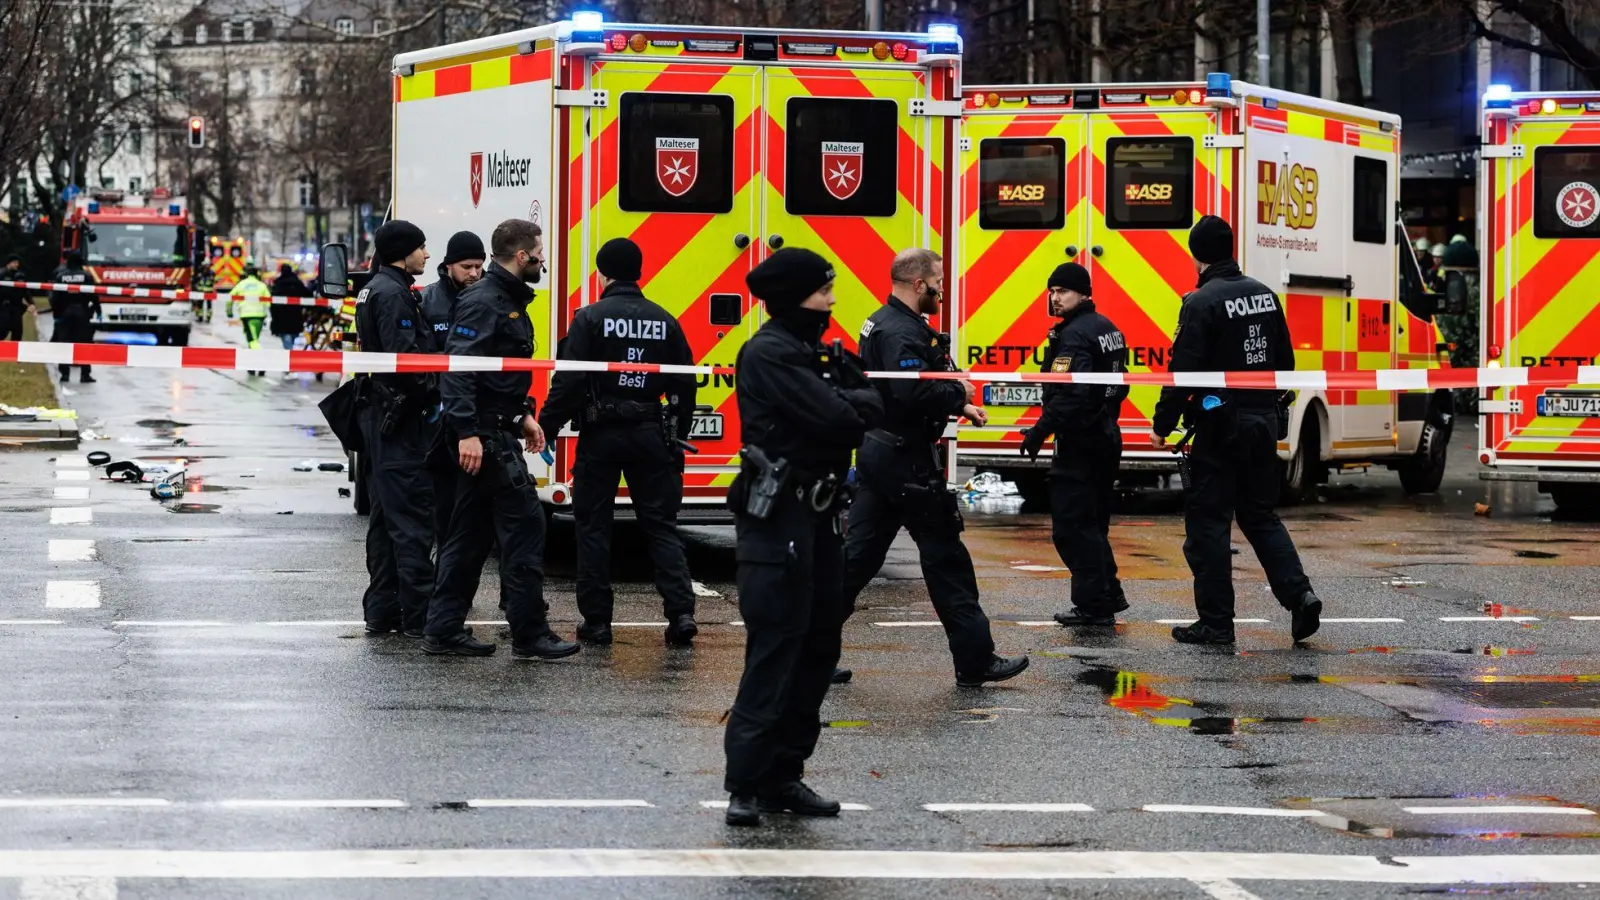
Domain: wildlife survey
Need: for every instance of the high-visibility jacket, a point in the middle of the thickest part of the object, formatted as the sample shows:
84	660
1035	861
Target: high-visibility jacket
253	298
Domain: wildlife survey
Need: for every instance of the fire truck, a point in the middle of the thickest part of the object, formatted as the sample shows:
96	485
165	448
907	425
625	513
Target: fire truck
710	147
1113	177
128	240
1539	237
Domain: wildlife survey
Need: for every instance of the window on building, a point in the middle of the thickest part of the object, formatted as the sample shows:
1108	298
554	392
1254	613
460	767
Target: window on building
1566	192
176	37
841	157
249	31
227	32
108	143
1019	183
135	183
136	141
1150	183
676	153
305	191
108	183
200	33
344	27
137	33
379	26
1369	208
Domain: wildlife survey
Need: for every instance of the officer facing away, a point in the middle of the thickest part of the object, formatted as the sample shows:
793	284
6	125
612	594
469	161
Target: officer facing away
802	412
250	301
626	432
486	413
1083	418
1232	323
14	302
73	312
399	428
901	479
462	267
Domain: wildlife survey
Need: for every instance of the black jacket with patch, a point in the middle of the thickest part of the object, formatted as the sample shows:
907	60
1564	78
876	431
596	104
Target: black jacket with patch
1084	341
789	410
896	338
389	320
491	319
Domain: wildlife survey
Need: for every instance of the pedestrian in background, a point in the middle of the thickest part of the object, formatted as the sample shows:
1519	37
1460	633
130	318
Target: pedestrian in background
250	302
74	313
288	322
14	301
462	267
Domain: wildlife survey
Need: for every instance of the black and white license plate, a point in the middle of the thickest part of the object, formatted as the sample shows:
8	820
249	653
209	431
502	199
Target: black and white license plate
135	317
1574	405
1013	394
706	427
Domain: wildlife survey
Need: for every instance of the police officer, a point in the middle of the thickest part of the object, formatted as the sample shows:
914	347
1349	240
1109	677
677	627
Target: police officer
399	428
1083	418
1232	323
900	478
802	412
626	432
462	267
486	413
14	301
74	313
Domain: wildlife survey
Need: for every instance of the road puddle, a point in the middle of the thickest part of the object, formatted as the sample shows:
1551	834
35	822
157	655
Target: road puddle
189	508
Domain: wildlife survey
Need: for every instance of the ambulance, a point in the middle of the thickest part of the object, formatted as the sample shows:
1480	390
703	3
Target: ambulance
710	147
1113	176
1539	239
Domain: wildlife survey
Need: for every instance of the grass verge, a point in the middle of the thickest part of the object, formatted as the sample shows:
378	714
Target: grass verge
27	384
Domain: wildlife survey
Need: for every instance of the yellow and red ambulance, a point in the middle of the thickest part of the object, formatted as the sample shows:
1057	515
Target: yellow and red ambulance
1539	189
710	147
1113	177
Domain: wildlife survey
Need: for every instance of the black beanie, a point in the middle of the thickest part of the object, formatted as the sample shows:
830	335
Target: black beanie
620	259
397	240
786	278
1211	240
287	270
1073	277
464	245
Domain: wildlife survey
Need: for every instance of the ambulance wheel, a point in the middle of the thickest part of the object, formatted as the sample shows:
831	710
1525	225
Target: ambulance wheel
1576	501
1423	473
178	337
1305	469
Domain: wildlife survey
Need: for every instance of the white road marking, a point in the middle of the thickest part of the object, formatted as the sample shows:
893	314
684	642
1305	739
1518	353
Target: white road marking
906	624
1379	620
1222	889
1527	868
312	804
1584	618
319	623
72	493
72	475
72	462
71	550
560	804
847	807
1232	810
1191	621
71	887
1497	810
1488	618
638	624
79	802
1008	807
71	515
72	595
1033	624
1033	568
31	622
701	590
173	623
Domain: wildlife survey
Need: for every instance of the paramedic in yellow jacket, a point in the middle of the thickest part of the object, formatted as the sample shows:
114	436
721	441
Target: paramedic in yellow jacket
251	300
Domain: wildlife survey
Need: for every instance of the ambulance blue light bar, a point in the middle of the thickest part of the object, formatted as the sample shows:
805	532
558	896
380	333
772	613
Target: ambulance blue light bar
1498	96
1219	85
943	31
588	20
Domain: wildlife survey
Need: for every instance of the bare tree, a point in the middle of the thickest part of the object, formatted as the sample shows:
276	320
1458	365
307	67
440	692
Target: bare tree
219	178
1569	30
25	26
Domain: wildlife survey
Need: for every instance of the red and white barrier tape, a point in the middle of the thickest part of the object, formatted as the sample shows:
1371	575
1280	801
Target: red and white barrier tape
157	293
338	361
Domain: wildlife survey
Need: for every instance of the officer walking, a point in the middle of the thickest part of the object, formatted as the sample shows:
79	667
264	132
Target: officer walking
1083	418
1232	323
462	267
486	413
250	301
399	427
74	313
626	432
901	480
802	411
14	301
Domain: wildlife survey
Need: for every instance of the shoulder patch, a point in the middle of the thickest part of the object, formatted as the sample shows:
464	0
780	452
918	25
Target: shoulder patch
464	331
440	326
405	323
515	315
911	363
1062	363
867	326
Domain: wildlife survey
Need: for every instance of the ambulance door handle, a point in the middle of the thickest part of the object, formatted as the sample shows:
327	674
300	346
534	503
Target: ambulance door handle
775	241
1072	251
1098	251
741	240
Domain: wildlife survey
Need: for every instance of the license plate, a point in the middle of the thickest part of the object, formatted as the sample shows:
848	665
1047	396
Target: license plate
1576	405
706	428
135	317
1013	394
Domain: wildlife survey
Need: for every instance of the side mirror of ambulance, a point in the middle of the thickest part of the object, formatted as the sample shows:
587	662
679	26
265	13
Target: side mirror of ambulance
1455	293
333	272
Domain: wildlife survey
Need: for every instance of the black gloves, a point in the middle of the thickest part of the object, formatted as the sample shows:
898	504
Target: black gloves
1032	442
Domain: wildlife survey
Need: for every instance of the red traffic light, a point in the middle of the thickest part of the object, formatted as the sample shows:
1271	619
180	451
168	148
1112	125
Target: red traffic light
197	132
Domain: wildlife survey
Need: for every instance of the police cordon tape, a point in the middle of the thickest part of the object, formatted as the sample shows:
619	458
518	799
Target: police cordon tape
229	358
157	293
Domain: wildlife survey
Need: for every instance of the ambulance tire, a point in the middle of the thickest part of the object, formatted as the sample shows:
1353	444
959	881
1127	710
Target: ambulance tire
1579	502
1423	473
178	337
1305	469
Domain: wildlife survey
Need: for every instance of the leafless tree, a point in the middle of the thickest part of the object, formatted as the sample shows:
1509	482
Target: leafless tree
219	179
1569	30
25	30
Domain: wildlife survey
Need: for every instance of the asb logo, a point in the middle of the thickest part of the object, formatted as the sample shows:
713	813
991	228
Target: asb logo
841	168
477	178
1286	195
1578	204
1141	193
1021	193
677	164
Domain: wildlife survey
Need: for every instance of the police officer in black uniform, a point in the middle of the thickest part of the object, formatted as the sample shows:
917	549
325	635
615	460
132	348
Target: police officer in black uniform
901	479
1083	418
399	429
1232	323
74	313
487	414
626	432
14	301
462	267
802	411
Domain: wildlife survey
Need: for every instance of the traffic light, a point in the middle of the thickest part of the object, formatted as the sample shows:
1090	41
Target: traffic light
197	132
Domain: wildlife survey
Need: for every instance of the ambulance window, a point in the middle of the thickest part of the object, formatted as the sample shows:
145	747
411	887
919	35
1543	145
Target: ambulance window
1566	192
1150	183
1019	183
675	153
1369	209
841	157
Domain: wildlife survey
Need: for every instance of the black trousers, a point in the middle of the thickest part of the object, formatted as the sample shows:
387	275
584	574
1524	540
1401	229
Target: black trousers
791	594
1082	478
893	494
487	508
72	326
1236	476
11	315
400	528
607	453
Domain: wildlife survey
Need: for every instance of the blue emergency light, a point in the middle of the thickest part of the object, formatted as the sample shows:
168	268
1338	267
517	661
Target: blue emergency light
174	209
94	206
1219	84
588	20
943	31
1498	96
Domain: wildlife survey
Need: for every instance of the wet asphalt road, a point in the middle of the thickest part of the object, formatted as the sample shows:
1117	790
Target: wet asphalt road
191	676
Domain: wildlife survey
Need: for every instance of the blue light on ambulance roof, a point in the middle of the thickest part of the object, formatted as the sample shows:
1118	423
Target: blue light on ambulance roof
943	31
1219	84
94	206
1498	92
587	20
174	209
